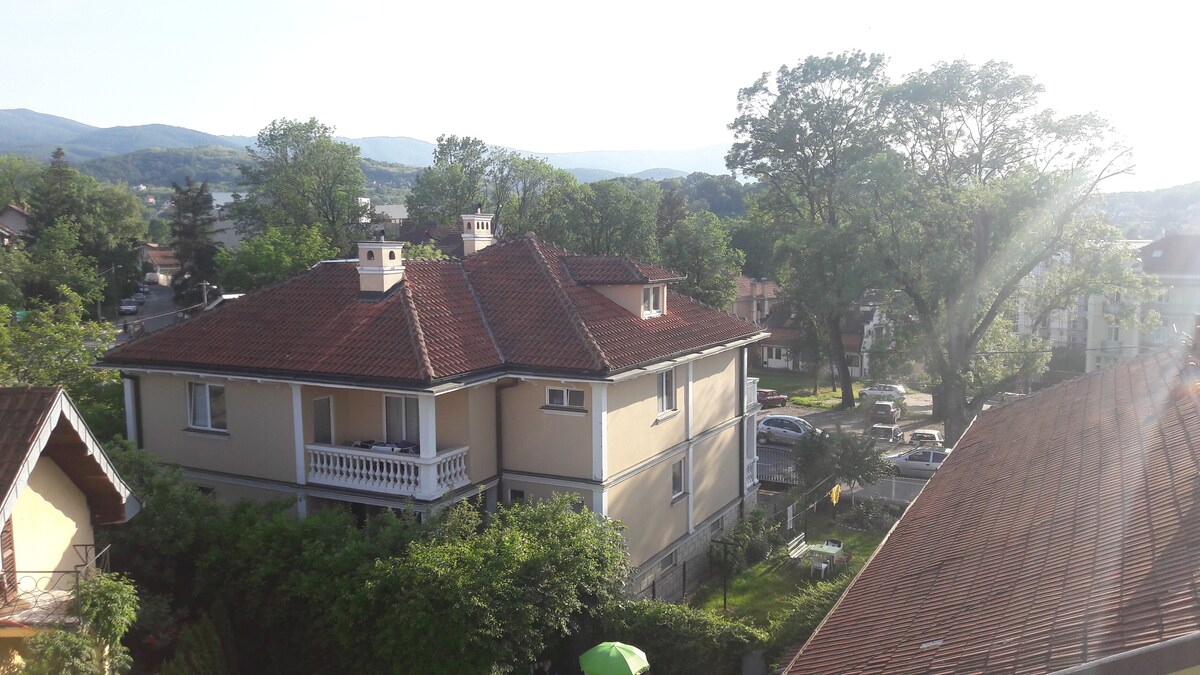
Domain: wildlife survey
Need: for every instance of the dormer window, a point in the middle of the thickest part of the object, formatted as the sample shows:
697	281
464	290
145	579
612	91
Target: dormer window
652	303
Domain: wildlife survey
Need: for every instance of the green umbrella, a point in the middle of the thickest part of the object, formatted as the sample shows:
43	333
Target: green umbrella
614	658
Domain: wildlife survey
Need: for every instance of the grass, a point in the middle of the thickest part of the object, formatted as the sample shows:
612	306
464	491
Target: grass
762	590
798	388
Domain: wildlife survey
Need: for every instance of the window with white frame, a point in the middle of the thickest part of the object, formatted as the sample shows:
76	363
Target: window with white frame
717	526
322	409
564	397
652	301
668	561
206	406
666	390
677	480
1114	333
402	419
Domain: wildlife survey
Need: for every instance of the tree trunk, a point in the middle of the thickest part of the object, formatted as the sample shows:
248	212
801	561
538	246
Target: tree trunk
838	350
954	404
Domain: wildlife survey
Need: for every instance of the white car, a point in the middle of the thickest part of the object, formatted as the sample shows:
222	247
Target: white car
783	429
926	437
919	463
892	392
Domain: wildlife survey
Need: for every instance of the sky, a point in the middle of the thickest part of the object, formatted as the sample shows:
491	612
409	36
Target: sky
567	76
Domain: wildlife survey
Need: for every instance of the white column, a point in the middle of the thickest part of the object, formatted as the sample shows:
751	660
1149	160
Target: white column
427	410
298	435
130	413
600	501
687	397
691	494
599	430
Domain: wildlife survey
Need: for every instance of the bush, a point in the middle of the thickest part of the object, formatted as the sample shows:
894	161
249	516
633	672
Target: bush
803	613
679	639
751	540
875	515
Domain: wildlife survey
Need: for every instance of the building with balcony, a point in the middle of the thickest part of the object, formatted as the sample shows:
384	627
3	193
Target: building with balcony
55	484
519	371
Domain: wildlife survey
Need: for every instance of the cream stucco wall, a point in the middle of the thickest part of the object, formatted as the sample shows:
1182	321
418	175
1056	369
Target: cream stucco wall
541	491
643	502
480	423
51	515
546	442
635	429
715	390
715	472
259	441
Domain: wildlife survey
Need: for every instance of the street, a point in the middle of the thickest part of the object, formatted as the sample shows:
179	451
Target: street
158	312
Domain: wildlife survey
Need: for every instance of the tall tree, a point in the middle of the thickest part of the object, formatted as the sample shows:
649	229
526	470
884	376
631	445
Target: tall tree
273	256
18	175
191	238
806	136
454	184
618	217
988	186
698	246
55	195
299	175
531	196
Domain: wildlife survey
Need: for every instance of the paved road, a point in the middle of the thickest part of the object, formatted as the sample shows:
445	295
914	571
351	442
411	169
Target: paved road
158	312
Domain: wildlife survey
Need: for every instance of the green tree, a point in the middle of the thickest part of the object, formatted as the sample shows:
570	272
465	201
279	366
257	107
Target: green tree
298	175
18	175
531	196
273	256
698	246
55	195
806	136
192	240
424	251
618	217
454	184
990	186
108	604
680	640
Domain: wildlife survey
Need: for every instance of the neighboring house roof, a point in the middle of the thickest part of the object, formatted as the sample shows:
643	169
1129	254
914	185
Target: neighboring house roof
512	305
752	288
1062	530
40	422
163	259
393	211
1173	254
605	270
16	208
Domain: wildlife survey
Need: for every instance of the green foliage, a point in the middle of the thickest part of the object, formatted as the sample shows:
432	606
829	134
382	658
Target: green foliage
454	184
61	652
750	542
873	514
699	247
192	240
273	256
838	456
55	262
425	251
18	175
804	612
199	653
109	604
679	639
215	165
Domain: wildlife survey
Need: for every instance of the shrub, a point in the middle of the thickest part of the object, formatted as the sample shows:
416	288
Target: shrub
874	514
679	639
803	612
751	541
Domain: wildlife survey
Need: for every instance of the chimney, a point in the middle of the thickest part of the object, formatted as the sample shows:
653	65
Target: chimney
380	267
476	230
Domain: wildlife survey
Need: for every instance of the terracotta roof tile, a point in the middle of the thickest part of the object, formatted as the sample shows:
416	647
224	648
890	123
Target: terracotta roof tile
753	288
1062	529
22	412
597	270
514	304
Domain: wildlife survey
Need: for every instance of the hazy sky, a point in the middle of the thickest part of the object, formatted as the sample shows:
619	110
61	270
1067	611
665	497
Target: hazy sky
571	76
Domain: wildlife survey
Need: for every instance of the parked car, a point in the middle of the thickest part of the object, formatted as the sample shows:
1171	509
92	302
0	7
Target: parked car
886	433
919	463
926	437
143	288
139	298
885	412
783	429
892	392
771	398
128	306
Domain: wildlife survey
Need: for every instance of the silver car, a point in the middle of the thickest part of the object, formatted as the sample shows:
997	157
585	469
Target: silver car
783	429
919	463
890	392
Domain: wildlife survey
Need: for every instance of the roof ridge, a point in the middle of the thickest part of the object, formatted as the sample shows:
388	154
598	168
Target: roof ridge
482	314
415	333
581	330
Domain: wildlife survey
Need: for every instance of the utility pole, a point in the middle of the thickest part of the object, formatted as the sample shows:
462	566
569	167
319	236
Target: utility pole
204	290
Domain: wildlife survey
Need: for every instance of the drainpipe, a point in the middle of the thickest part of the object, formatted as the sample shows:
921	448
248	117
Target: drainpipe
500	387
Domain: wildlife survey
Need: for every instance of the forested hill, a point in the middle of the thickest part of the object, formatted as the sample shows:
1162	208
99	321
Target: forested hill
1149	215
25	132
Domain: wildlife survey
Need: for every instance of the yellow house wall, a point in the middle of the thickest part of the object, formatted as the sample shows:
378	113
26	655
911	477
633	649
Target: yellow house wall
542	442
480	424
635	432
259	442
628	297
643	503
541	491
714	390
50	516
715	471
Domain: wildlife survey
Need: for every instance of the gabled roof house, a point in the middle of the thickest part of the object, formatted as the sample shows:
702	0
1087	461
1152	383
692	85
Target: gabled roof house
55	484
521	370
1060	536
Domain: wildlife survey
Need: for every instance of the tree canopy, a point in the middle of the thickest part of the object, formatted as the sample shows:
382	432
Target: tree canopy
273	256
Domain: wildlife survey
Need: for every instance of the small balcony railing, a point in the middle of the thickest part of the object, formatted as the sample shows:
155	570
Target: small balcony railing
51	597
385	472
751	392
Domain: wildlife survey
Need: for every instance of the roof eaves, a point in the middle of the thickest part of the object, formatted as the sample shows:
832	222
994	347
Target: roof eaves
581	330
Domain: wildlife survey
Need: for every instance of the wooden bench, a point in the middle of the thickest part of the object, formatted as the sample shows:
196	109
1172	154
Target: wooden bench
797	548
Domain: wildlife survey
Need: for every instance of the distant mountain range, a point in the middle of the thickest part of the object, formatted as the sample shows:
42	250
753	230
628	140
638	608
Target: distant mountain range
26	132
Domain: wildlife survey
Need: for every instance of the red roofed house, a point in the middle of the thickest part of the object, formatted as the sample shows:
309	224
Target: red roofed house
754	300
164	262
522	369
1062	534
55	484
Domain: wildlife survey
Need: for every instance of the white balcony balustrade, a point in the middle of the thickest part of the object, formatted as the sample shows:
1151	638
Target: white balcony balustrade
751	392
391	473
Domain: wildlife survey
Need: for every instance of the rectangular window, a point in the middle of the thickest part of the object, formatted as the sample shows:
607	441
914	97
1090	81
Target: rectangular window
666	391
516	496
852	360
323	420
1114	333
717	526
677	479
651	301
562	397
206	406
668	562
402	419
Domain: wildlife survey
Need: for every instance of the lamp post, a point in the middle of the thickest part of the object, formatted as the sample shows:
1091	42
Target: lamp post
725	544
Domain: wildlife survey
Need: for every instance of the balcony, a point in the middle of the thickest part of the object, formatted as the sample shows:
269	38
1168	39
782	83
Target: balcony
51	597
1110	346
751	393
396	474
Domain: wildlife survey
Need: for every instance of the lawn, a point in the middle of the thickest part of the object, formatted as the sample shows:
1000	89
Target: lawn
798	388
760	591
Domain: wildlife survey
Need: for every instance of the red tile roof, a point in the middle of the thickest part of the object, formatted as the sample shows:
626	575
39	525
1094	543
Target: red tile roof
163	259
513	305
1063	529
599	270
22	413
752	288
